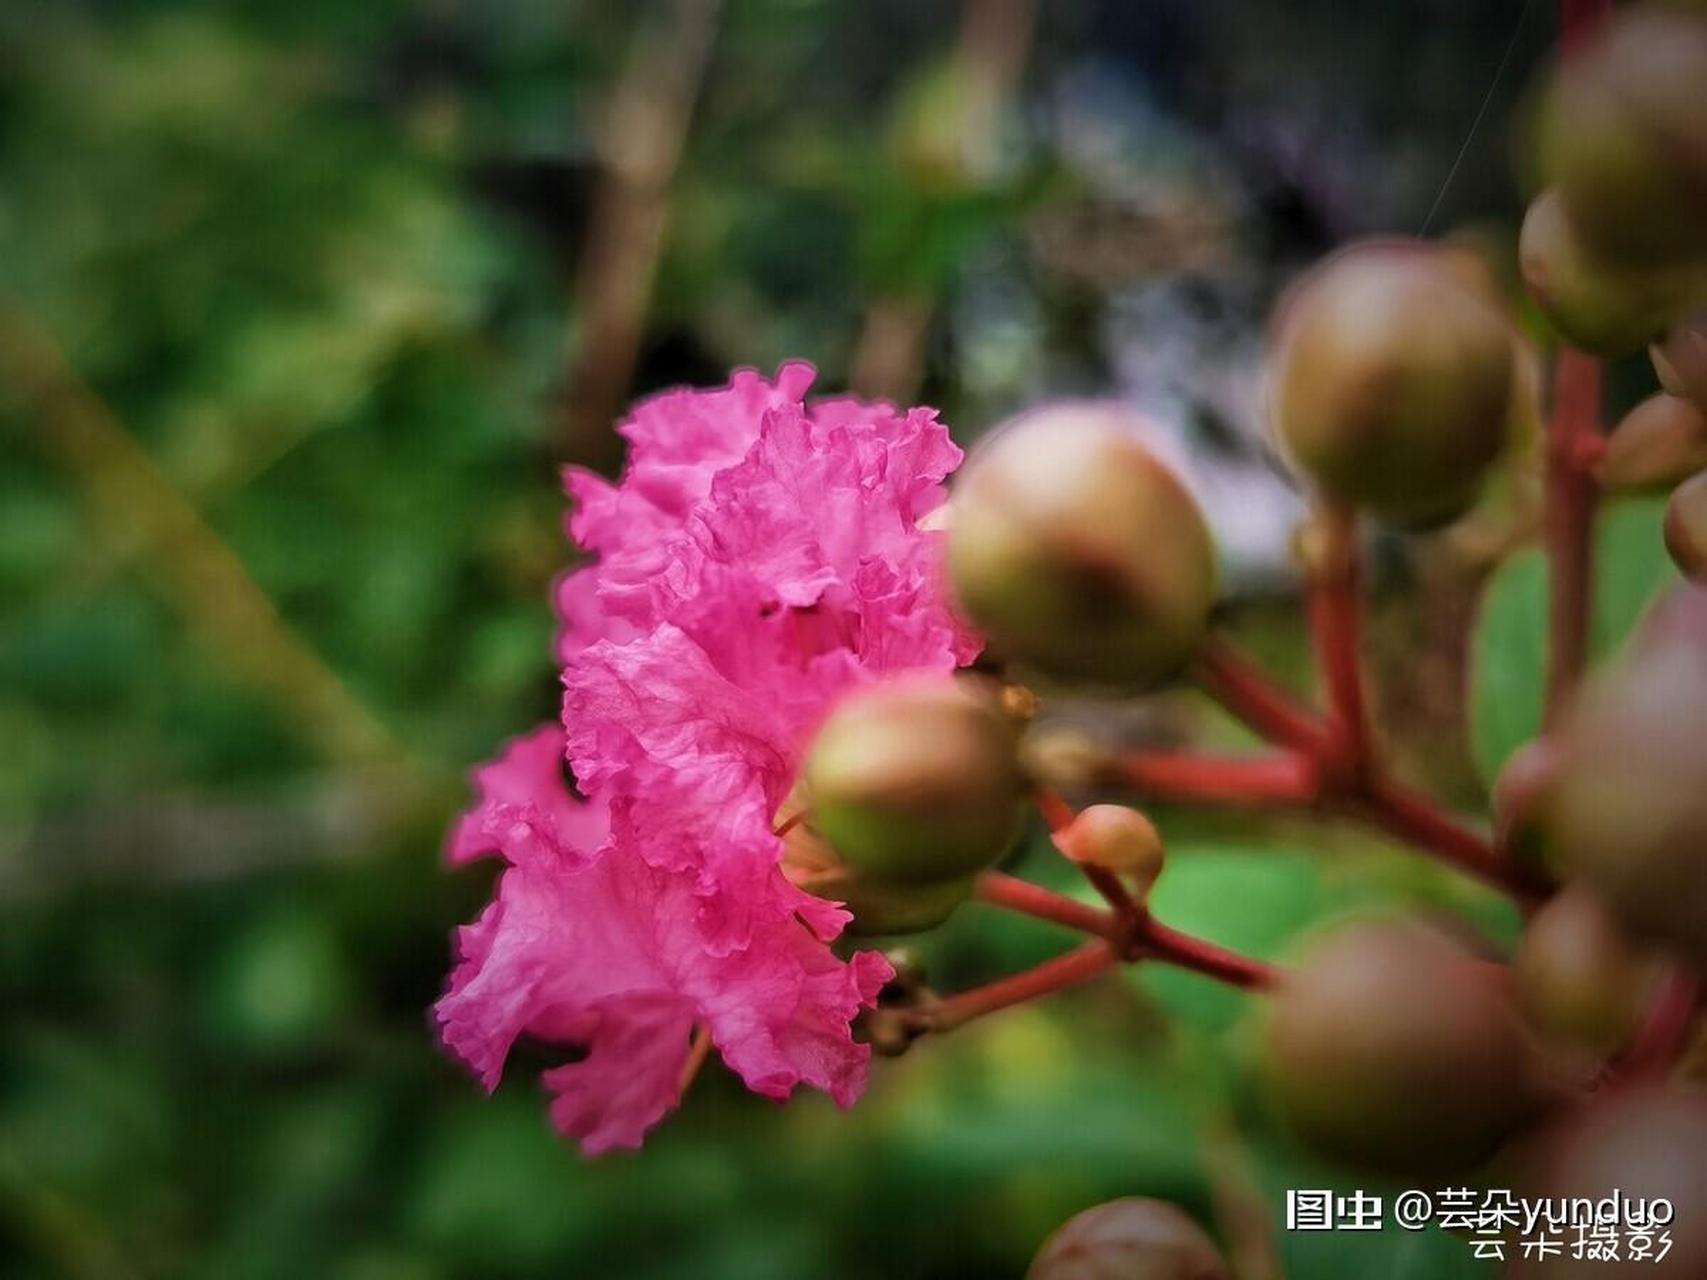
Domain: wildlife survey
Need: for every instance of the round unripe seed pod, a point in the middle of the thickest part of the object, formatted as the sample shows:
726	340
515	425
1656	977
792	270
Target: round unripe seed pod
1600	306
1079	553
1686	527
880	908
1579	979
1645	1144
1392	380
1680	359
1625	138
1115	838
1658	443
1129	1239
1628	816
1392	1049
916	781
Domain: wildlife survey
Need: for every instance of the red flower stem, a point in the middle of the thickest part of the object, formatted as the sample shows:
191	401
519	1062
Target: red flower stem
1247	694
1419	821
1010	892
1056	811
1118	941
1294	782
1079	965
1231	781
1568	522
1336	633
1186	952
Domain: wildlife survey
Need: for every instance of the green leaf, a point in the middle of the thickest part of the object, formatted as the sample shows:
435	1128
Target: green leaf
1508	654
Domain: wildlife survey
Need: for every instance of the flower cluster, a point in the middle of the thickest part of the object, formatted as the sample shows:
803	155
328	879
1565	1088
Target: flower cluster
760	557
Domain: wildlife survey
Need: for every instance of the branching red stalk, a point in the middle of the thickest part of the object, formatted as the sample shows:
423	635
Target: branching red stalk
1246	693
1420	821
1079	965
1229	781
1186	952
1336	629
1139	937
1010	892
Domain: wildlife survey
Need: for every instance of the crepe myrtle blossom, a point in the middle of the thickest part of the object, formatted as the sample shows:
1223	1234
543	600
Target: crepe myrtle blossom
760	556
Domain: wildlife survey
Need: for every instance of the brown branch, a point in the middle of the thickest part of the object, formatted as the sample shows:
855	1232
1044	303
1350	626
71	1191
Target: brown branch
135	505
645	127
989	59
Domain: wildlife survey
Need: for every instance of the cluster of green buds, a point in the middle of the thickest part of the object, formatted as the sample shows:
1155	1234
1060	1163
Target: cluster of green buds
1398	380
1614	250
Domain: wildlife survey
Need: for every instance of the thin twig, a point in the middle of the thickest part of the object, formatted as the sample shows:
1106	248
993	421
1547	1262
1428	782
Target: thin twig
1002	890
136	505
645	127
1091	960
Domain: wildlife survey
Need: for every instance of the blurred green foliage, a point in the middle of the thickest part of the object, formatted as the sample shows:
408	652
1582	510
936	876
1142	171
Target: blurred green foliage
316	259
1631	571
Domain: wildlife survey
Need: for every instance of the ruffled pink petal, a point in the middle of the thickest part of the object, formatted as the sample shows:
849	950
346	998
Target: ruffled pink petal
525	810
760	557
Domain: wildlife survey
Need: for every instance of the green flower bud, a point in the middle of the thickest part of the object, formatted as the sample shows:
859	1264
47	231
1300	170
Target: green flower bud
1644	1144
1078	553
1115	838
1624	136
916	781
879	907
1392	380
1661	441
1391	1048
1579	979
1129	1239
1629	813
1599	305
1686	528
1680	360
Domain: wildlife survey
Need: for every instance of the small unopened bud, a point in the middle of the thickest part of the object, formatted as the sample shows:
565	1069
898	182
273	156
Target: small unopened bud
1602	306
1661	441
916	781
1628	815
1391	1047
1117	839
1579	978
1686	527
1624	136
1079	553
1129	1239
1392	380
1680	360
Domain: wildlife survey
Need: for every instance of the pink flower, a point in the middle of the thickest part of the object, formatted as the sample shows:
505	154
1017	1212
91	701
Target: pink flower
760	557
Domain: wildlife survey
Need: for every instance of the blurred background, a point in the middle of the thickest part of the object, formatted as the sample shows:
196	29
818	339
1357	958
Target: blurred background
302	305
